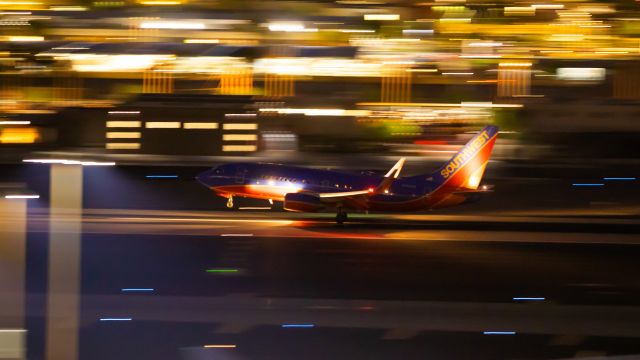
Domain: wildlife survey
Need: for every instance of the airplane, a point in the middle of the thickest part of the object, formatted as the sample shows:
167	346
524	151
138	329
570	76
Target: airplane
313	190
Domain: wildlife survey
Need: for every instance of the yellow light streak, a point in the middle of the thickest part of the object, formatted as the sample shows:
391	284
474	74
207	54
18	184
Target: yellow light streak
479	56
318	112
10	3
484	44
25	38
612	52
200	125
556	51
160	2
162	124
289	27
172	25
123	146
123	135
381	17
201	41
482	81
239	137
464	104
455	20
240	126
515	64
239	148
355	31
547	6
15	122
220	346
519	11
19	136
68	8
123	124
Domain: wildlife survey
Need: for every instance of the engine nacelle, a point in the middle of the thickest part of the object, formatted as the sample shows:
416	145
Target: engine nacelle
302	202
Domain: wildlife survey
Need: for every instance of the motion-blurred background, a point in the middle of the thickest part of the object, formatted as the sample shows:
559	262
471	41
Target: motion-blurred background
203	78
139	261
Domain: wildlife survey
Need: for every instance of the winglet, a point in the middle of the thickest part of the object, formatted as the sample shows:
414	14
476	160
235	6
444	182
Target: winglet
389	177
395	170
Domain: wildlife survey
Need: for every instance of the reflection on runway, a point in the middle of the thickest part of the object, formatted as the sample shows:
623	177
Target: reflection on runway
252	311
525	227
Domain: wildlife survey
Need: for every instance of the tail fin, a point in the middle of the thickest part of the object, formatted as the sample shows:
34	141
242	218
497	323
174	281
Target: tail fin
465	169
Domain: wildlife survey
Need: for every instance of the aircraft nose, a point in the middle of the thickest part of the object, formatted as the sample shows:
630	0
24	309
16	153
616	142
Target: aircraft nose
203	177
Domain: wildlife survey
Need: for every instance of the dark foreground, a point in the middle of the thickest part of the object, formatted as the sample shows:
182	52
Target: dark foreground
353	297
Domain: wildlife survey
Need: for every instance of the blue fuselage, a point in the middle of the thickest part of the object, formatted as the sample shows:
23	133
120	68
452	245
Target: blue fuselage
273	181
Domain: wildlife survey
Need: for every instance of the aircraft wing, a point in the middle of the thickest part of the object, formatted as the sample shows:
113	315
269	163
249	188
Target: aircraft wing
313	201
383	187
328	197
358	198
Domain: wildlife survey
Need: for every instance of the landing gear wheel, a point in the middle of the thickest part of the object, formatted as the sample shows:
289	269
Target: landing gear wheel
230	202
341	217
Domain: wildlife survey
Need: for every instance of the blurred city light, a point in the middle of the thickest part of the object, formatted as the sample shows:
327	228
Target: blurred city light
220	346
70	162
22	196
222	271
301	326
138	290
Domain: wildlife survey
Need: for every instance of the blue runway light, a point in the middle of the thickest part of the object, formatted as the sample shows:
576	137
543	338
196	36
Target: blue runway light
297	325
620	178
137	289
587	184
161	176
116	319
499	332
529	299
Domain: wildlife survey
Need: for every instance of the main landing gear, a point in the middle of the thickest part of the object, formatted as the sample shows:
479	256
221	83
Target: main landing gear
230	202
341	216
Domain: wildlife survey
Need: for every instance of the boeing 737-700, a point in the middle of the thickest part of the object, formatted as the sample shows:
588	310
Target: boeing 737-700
313	190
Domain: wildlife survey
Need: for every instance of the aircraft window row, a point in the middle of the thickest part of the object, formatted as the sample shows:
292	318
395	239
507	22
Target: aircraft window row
343	186
324	183
282	178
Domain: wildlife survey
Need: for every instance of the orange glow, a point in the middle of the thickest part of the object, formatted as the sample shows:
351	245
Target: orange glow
19	135
482	81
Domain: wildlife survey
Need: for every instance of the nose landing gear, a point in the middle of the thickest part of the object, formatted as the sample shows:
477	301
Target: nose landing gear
230	202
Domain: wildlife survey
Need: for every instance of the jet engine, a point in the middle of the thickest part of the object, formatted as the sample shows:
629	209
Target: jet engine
302	202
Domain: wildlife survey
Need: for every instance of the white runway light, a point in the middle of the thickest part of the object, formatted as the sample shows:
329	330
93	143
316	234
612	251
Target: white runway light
22	196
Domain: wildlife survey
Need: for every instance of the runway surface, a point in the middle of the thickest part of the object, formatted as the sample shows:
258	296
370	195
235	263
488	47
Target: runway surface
532	226
380	286
549	270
